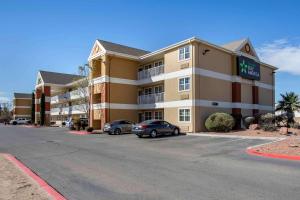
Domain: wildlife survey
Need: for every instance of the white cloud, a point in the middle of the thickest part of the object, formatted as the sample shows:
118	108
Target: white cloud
283	54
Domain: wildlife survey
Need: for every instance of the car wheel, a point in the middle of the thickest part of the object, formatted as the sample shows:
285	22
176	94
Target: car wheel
176	131
14	123
153	133
140	136
117	131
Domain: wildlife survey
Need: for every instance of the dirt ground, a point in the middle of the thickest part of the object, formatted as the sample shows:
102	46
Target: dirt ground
289	146
261	133
14	184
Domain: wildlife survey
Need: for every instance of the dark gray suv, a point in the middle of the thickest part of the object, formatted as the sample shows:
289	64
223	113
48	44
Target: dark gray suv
154	128
118	127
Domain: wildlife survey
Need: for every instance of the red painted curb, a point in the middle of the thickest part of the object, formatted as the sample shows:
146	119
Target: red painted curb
271	155
43	184
80	132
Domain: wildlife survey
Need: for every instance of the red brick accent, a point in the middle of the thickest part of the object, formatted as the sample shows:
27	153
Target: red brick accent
47	91
47	106
255	98
236	92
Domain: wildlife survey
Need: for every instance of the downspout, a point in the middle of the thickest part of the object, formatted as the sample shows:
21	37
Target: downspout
193	114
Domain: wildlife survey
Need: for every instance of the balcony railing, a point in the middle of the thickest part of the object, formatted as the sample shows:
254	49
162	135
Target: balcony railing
150	72
75	94
69	110
151	98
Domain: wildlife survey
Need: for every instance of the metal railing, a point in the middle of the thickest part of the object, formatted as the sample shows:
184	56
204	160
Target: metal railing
151	98
147	73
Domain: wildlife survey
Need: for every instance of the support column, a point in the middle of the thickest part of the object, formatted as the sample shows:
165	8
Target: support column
255	97
236	98
47	92
38	94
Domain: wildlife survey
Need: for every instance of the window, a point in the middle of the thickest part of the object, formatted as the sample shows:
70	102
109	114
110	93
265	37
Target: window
148	115
158	63
184	115
184	53
158	89
184	84
158	115
148	91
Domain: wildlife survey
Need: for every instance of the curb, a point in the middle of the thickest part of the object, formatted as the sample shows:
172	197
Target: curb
251	151
233	136
80	132
42	183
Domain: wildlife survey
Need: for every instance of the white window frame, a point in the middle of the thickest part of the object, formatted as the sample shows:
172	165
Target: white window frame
150	115
157	62
179	90
184	53
184	116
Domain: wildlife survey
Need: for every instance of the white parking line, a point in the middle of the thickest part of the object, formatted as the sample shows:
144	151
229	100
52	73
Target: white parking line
232	136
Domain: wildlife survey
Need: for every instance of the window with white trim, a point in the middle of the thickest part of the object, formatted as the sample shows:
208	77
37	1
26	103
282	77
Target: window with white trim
184	115
158	115
184	84
184	53
148	115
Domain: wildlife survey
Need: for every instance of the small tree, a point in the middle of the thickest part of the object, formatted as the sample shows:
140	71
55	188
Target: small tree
33	108
42	110
288	105
82	86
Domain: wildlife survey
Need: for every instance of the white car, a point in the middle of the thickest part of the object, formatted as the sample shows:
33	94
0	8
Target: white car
19	121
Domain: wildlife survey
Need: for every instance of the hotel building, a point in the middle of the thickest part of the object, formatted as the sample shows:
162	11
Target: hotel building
22	104
65	97
182	83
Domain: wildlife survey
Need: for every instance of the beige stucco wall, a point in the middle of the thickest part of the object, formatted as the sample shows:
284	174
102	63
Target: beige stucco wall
214	60
172	62
22	111
116	114
22	102
171	115
122	93
265	97
173	94
246	93
122	68
212	89
266	75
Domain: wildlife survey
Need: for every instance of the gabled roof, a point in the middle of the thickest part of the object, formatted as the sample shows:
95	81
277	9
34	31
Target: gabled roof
114	47
58	78
237	45
22	95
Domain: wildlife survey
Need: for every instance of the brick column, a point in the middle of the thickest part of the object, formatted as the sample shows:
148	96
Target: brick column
38	94
47	92
255	97
236	98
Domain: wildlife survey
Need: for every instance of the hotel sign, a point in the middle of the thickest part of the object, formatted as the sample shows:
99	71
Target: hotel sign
248	68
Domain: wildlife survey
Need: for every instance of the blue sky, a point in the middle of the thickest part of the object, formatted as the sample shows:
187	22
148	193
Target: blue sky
58	35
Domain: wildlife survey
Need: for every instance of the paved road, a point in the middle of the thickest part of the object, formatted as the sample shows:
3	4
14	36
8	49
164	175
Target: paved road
125	167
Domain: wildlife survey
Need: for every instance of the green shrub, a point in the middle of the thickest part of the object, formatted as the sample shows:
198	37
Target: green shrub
221	122
267	122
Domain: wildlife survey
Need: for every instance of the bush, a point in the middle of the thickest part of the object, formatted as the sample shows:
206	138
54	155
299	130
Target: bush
90	129
222	122
267	122
248	121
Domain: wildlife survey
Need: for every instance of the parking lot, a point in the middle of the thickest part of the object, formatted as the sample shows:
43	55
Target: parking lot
126	167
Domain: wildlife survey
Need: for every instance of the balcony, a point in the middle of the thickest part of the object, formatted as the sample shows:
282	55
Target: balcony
75	94
75	109
151	98
148	73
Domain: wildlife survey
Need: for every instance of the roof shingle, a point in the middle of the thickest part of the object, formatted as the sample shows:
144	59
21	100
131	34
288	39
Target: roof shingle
59	78
122	48
22	95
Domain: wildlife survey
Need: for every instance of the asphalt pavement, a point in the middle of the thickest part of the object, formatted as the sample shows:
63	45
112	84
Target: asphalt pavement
126	167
